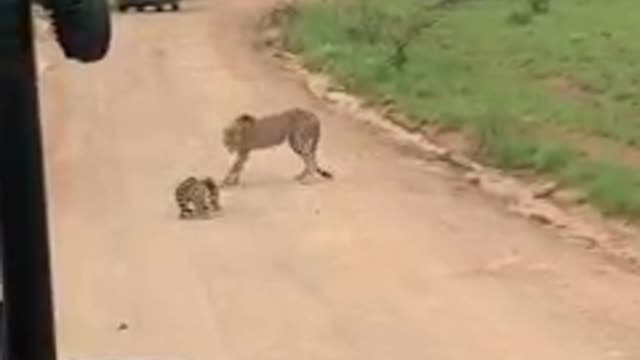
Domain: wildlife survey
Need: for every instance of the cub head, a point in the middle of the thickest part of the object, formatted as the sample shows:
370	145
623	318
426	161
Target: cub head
236	135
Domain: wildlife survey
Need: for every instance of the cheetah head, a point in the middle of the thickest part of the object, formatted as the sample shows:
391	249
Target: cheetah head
235	136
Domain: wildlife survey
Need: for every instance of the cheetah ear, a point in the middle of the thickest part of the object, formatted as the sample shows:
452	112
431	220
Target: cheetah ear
246	119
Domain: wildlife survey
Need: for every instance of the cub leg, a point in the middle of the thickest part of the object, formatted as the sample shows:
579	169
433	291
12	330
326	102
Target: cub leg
186	212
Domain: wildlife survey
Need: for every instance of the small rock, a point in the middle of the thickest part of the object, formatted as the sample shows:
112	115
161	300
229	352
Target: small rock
540	217
271	37
472	177
335	87
501	187
342	99
545	190
569	197
318	85
541	212
584	241
464	162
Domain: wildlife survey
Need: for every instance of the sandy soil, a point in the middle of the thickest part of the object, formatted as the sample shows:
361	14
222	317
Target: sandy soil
394	259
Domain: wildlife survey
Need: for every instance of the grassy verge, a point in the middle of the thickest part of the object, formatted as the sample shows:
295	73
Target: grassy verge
555	92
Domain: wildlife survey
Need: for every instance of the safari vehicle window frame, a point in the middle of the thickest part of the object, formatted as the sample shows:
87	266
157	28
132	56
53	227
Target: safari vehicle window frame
27	313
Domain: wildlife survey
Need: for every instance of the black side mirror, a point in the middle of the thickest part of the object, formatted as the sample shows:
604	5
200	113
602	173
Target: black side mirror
82	27
83	30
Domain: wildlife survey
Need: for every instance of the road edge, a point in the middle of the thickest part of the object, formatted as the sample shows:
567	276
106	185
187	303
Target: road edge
583	226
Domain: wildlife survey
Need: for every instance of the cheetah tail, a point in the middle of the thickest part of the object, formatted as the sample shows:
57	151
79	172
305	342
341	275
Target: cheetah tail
325	174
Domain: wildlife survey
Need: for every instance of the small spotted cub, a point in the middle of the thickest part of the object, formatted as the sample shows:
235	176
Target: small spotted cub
197	198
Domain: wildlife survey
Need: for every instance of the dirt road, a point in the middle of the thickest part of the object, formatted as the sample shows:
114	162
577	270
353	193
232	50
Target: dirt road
395	259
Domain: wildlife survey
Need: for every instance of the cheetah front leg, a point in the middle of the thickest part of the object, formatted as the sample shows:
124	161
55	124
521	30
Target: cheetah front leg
233	176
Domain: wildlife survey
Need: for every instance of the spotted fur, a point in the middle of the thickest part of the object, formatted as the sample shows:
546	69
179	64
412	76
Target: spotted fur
300	127
197	198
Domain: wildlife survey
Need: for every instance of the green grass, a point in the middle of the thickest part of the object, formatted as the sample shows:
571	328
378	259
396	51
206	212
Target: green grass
477	70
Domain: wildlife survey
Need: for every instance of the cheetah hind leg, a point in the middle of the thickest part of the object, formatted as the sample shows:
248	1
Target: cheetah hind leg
303	176
307	177
311	173
305	149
